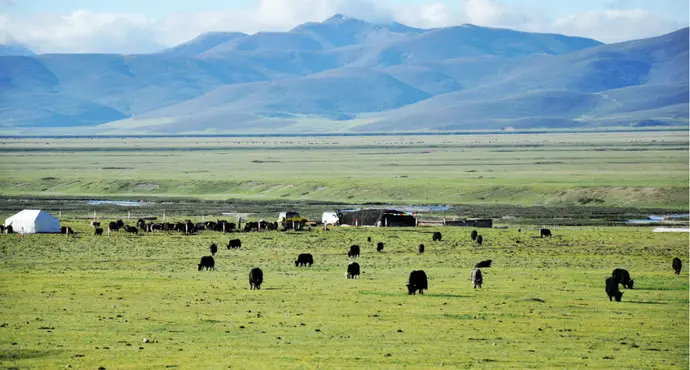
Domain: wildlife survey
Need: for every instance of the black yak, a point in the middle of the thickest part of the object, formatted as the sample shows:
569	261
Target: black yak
480	240
234	244
421	248
256	277
379	247
473	235
677	265
214	249
354	251
352	270
481	264
304	259
612	289
98	231
437	236
207	262
417	282
623	277
476	277
545	233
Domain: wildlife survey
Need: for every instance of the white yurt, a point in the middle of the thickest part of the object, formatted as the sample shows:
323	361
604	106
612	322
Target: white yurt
32	221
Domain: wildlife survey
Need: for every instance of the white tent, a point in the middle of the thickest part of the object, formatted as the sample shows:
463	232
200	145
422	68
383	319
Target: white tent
31	221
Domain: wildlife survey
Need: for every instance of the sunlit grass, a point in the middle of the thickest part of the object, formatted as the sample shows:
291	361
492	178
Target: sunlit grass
89	301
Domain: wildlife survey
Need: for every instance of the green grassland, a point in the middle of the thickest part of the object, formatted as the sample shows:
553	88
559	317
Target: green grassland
88	301
619	169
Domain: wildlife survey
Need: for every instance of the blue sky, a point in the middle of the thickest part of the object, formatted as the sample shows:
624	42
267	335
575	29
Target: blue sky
672	9
126	26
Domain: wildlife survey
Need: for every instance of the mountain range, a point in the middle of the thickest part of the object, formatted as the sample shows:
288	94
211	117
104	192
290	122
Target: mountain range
349	75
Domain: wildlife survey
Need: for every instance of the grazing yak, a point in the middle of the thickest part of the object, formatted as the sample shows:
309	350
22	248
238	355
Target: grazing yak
379	247
482	264
677	265
9	229
437	236
256	277
545	233
234	244
480	240
352	270
141	223
114	226
251	226
476	277
623	277
612	289
421	249
120	223
66	230
304	259
207	262
95	223
98	231
354	251
214	249
417	282
473	235
368	239
131	229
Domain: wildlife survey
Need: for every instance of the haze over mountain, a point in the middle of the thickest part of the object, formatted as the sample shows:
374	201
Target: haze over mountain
345	74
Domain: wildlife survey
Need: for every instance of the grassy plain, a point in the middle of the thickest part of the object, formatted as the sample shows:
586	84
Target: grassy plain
88	301
637	169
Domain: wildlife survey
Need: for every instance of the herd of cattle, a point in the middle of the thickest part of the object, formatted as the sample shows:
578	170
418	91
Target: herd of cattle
417	281
187	227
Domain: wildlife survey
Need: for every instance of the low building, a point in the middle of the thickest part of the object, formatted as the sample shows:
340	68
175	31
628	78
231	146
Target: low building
377	217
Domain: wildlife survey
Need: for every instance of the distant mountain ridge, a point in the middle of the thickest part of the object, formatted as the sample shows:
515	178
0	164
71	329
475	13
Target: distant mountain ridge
14	48
346	74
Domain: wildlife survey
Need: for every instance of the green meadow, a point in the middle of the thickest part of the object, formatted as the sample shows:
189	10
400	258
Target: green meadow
83	301
617	169
86	301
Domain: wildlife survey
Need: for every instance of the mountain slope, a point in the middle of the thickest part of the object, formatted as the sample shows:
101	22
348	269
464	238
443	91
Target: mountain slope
203	43
345	73
339	31
13	48
471	41
334	94
643	75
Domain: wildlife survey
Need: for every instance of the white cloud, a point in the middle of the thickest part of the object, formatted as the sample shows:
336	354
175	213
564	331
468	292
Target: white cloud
615	24
84	31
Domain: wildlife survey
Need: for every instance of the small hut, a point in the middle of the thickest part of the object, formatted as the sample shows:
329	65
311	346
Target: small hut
377	217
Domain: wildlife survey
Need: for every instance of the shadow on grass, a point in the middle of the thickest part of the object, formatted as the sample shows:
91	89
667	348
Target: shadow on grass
441	295
20	354
641	302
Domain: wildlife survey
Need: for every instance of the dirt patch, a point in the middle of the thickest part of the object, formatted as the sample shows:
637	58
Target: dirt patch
146	186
